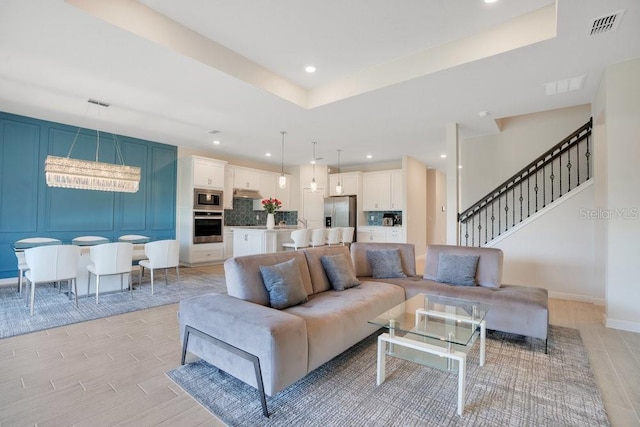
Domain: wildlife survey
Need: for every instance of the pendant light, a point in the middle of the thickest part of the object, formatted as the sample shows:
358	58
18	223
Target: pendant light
338	185
282	181
314	184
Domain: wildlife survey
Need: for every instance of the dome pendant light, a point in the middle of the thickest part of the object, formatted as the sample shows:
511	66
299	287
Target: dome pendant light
338	185
314	184
282	181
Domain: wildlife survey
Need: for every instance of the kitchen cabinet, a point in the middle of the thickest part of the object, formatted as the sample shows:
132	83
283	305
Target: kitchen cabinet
227	197
376	188
269	188
205	253
351	184
394	235
247	179
207	173
371	234
397	190
383	191
247	241
228	242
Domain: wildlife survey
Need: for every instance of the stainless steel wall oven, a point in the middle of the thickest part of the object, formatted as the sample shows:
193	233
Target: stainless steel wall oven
207	226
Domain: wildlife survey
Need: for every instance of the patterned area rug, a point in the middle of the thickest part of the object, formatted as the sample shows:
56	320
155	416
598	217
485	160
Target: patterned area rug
54	309
519	385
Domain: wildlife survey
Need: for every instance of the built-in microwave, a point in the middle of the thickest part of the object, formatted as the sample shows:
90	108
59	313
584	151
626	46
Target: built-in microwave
210	200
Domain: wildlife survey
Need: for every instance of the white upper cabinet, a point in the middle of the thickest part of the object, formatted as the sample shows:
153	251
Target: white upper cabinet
227	197
351	184
383	191
207	173
397	190
246	179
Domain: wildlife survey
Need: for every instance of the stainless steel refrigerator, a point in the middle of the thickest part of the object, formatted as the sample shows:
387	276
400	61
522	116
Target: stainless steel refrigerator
340	211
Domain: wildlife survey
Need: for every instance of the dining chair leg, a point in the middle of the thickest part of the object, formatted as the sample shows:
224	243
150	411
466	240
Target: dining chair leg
130	285
97	288
151	281
89	284
178	274
33	295
140	274
166	277
75	290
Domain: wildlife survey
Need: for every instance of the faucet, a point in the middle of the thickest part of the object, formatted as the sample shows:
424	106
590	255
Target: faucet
303	221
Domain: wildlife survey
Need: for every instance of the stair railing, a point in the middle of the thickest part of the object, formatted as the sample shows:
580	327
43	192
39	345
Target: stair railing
556	172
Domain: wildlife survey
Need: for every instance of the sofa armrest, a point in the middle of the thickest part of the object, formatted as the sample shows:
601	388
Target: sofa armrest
277	338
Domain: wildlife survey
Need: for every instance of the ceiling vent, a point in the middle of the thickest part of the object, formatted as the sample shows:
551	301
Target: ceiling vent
606	23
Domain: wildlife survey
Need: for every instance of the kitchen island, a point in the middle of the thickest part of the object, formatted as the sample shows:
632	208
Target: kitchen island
251	240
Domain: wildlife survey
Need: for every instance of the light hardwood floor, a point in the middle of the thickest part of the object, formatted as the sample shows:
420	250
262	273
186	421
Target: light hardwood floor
112	371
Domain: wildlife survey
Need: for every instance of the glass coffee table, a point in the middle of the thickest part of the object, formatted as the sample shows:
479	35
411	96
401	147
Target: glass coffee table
434	331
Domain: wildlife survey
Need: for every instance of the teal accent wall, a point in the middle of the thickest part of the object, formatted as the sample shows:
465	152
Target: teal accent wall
28	208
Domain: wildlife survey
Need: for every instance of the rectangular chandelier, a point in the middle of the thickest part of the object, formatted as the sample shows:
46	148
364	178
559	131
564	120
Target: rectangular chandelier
66	172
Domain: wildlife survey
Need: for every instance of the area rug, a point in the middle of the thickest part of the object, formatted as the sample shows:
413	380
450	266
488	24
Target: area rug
54	309
519	385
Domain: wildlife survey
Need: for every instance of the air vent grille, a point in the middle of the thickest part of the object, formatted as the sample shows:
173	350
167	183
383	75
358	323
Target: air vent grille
606	23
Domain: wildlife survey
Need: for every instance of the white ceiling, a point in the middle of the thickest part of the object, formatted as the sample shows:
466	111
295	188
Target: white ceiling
390	75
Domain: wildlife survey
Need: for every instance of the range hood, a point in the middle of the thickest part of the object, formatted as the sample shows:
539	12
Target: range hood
240	193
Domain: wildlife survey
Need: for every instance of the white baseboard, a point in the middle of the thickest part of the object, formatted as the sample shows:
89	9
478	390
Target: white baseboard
576	297
623	325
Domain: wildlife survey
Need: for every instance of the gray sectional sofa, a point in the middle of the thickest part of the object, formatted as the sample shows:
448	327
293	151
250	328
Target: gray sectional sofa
293	341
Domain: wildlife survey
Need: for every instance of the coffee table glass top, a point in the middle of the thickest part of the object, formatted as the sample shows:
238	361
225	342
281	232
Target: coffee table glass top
446	319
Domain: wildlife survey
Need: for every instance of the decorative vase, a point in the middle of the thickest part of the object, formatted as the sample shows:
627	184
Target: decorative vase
271	221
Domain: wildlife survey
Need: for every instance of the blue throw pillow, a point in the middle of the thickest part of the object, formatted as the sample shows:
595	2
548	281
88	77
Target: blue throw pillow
339	271
457	269
284	284
385	264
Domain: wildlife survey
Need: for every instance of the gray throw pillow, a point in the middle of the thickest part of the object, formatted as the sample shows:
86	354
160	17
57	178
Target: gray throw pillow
457	269
385	264
339	271
284	284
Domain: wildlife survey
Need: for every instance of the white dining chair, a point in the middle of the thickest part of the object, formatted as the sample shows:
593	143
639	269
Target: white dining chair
54	263
334	235
300	240
20	245
318	237
110	259
346	237
138	242
160	254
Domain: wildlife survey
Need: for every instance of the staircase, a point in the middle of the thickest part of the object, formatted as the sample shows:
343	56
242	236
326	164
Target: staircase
555	173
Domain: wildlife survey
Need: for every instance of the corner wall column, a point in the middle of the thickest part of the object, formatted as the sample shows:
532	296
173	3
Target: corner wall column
453	184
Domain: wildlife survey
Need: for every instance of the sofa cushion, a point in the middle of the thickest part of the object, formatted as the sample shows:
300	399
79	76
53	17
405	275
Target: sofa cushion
244	280
339	271
284	284
457	269
319	280
361	263
488	274
385	263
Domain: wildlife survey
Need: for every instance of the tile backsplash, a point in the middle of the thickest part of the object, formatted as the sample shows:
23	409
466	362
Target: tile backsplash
243	214
377	216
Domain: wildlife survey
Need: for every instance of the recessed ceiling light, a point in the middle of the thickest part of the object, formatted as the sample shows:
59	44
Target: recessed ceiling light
310	69
443	156
459	166
267	154
484	113
369	156
214	132
216	141
490	1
